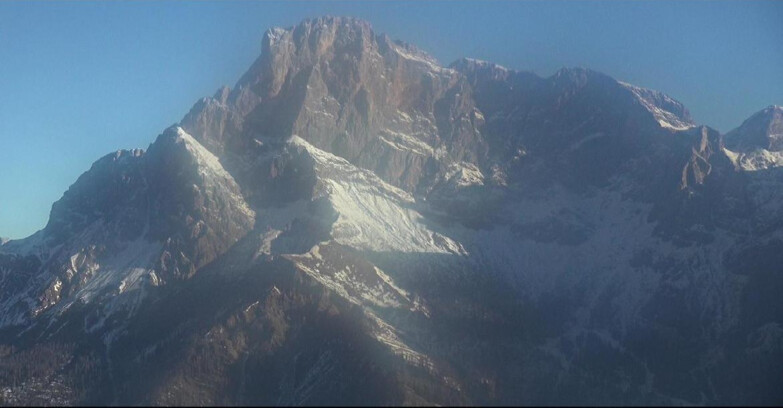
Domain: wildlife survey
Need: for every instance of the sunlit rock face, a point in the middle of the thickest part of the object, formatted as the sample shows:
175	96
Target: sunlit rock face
354	223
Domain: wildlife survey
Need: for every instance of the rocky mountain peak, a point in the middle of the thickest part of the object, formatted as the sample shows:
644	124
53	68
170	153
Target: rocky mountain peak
474	68
576	74
105	193
669	112
285	51
381	104
763	130
196	206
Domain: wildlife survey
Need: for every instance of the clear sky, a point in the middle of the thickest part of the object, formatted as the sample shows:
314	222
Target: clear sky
81	79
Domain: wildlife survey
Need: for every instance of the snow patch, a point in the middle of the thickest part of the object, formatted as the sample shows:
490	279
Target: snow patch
423	59
665	118
759	159
373	215
485	64
464	174
402	142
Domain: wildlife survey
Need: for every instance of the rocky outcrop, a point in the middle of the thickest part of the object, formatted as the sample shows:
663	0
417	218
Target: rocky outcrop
197	209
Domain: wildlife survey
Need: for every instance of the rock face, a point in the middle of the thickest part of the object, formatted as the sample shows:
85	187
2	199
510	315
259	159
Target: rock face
135	219
354	223
764	130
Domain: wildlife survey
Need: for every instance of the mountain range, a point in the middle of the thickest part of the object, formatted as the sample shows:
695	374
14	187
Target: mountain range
354	223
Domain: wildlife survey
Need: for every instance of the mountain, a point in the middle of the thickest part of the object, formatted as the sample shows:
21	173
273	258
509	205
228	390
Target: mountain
354	223
758	142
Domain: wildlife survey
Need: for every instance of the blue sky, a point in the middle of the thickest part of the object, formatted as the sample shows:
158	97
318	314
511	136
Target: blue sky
81	79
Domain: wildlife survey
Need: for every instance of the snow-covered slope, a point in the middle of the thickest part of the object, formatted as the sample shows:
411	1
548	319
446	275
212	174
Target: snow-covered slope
372	215
759	159
669	113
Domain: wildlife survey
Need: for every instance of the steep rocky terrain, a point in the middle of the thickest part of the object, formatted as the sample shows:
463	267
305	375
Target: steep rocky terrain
354	223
